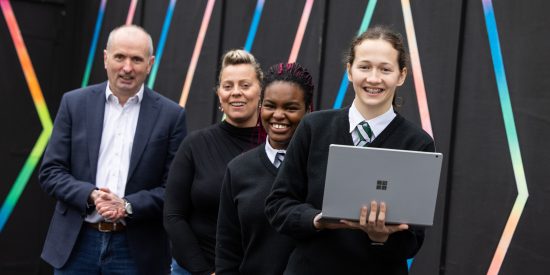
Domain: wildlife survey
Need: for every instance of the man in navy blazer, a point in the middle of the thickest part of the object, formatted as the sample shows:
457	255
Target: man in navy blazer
106	165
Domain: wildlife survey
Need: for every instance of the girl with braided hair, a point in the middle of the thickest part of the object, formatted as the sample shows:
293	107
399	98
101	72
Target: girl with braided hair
245	242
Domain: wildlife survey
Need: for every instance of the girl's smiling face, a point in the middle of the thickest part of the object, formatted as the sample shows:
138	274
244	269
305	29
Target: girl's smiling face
375	75
283	107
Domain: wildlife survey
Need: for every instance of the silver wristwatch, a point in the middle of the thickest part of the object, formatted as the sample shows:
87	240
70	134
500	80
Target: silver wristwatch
128	208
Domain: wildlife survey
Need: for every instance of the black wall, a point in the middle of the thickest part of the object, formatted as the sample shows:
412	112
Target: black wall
478	186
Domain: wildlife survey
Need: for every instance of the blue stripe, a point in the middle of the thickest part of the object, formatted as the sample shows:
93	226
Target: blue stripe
162	42
341	92
93	47
254	25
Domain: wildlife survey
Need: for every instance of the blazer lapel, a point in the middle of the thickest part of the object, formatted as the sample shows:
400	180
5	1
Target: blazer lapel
95	105
148	114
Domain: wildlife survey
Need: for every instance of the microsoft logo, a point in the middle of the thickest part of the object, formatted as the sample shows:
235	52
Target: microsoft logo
381	184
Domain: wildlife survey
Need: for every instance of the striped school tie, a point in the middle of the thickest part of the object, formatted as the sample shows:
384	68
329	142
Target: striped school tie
279	157
365	134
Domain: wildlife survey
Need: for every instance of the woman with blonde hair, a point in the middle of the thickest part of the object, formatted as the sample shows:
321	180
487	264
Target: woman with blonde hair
195	178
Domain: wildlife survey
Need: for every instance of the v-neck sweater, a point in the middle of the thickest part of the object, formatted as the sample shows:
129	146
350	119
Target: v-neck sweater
297	195
246	242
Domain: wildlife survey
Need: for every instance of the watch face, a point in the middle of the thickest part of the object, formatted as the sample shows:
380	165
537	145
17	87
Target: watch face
128	208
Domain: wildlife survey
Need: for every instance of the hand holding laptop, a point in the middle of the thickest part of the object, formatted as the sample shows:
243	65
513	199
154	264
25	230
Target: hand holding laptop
407	181
371	222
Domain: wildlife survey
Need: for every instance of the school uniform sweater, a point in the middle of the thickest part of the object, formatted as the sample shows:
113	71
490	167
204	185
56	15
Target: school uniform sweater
245	241
193	191
297	195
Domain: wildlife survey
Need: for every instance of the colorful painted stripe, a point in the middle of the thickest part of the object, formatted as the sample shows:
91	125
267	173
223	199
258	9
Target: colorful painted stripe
93	47
416	69
42	109
418	78
253	29
254	25
131	12
162	42
512	138
344	83
196	52
300	32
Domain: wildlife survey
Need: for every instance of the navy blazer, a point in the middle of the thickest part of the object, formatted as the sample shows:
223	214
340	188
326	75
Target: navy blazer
69	168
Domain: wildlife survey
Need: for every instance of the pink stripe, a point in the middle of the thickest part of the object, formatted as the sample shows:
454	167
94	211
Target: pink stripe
505	240
131	12
196	52
300	32
417	69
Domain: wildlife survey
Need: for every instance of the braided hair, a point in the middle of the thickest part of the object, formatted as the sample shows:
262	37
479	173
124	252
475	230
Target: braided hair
294	73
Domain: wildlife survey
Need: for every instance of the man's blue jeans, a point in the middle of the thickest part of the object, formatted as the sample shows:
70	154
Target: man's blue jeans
99	253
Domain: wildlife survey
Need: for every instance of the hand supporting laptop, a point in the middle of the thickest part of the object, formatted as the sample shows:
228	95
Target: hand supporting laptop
374	225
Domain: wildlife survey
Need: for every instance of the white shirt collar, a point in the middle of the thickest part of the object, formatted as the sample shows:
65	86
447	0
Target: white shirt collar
136	98
270	151
377	124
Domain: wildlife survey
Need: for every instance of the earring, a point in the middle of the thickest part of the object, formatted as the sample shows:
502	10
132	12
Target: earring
220	108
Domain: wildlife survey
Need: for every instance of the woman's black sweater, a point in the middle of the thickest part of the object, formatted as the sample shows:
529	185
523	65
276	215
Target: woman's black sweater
193	191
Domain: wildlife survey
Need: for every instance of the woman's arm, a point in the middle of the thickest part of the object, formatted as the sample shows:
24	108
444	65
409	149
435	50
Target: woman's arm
177	212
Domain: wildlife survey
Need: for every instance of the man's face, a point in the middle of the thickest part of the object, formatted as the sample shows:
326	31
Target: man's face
127	61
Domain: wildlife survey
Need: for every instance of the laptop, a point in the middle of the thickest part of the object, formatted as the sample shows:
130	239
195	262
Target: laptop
407	181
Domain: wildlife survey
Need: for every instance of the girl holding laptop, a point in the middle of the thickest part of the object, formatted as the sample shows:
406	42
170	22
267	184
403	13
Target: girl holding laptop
376	66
